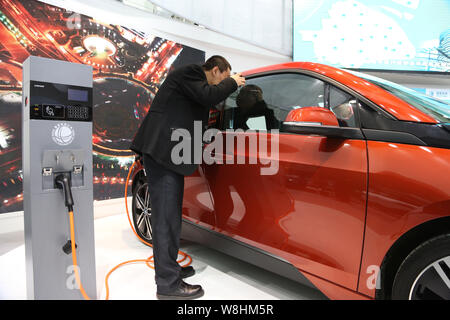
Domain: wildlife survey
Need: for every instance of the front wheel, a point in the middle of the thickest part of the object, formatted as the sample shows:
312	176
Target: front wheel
142	212
425	273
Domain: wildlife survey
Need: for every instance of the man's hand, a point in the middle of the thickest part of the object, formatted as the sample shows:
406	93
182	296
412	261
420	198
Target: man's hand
240	80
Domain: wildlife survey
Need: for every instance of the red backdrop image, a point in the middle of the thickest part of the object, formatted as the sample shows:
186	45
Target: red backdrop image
129	66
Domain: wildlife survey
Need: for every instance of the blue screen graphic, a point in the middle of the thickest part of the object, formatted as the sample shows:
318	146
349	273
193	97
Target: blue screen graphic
409	35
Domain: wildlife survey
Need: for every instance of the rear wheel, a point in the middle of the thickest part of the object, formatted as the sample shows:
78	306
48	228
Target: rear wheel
142	211
425	273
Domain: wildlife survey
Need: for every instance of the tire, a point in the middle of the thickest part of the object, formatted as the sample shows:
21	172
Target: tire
425	273
142	211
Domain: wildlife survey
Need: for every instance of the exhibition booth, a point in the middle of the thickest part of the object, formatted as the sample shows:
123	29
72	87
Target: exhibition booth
338	189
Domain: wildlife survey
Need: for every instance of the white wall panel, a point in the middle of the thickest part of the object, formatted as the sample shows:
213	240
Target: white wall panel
266	23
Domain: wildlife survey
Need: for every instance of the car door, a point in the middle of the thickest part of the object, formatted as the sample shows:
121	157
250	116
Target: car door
310	210
197	203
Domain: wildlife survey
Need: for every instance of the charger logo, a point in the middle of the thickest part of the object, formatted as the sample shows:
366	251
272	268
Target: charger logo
63	134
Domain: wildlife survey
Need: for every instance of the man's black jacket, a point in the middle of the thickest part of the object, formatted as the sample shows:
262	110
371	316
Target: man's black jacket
184	97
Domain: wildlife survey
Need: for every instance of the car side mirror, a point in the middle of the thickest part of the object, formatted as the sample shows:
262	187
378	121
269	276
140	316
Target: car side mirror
312	116
317	121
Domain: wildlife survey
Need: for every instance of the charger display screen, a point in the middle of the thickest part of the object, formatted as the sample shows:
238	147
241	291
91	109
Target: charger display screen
77	95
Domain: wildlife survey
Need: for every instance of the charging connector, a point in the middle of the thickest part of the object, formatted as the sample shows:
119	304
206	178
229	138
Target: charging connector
62	181
67	248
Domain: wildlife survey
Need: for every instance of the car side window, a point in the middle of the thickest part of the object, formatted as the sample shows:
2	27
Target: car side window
342	105
229	111
372	118
265	102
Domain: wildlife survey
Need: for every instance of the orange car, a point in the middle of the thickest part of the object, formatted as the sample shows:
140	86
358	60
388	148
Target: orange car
359	206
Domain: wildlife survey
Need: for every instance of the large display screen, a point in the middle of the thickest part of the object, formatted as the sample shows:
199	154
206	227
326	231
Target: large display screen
441	94
128	65
411	35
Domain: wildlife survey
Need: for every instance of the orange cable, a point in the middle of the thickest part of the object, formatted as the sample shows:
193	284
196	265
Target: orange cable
74	257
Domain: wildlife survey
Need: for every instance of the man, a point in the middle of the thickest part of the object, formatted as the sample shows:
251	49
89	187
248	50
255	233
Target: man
185	96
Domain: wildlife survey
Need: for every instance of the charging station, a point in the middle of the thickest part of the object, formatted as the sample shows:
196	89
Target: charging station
57	177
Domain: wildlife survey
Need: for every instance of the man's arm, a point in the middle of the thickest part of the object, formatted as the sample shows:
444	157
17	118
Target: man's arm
197	88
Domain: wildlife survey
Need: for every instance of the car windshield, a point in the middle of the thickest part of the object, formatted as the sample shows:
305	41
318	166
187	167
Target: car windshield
435	108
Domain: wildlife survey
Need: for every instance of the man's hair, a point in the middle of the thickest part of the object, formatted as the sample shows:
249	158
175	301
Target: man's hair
217	61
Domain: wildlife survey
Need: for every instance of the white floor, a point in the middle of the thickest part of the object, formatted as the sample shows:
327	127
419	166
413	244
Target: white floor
222	277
